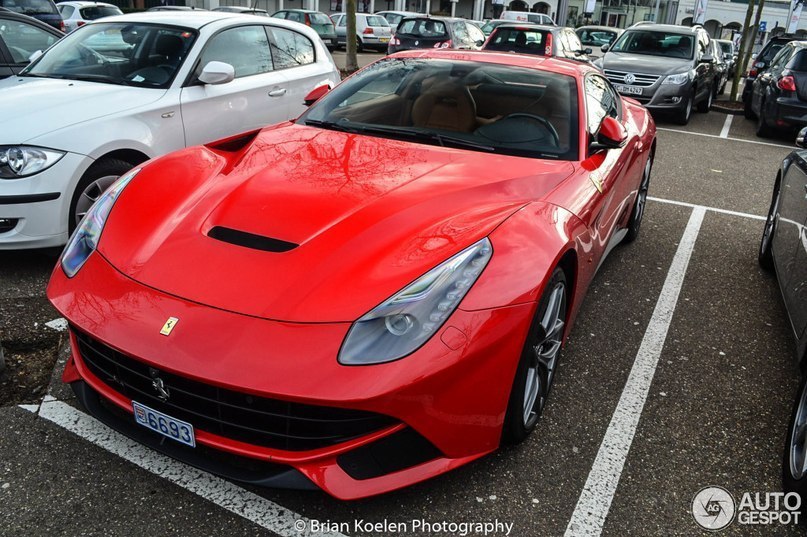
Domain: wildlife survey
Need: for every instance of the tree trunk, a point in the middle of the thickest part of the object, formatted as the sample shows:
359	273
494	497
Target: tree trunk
352	62
739	70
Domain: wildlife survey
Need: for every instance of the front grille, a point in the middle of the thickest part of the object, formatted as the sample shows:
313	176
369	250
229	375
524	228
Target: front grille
644	81
7	224
255	420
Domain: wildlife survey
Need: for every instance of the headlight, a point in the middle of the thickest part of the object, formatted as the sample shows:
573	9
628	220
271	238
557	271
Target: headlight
406	321
85	238
678	78
22	160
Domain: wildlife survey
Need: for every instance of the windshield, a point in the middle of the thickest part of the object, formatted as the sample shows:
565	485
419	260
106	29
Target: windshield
422	28
768	54
469	105
654	43
319	18
393	18
596	38
726	46
143	55
518	40
30	7
96	12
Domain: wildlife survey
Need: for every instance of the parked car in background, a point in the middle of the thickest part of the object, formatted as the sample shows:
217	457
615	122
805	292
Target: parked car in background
436	32
729	54
390	187
124	89
721	68
320	22
670	69
43	10
759	63
597	36
779	93
537	40
528	16
76	14
373	31
243	10
489	25
20	37
174	8
394	17
783	251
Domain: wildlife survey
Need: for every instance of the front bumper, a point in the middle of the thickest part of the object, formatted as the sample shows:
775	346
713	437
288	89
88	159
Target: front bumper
34	210
452	392
663	97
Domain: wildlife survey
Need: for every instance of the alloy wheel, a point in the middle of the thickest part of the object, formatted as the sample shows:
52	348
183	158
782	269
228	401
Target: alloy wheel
798	440
91	194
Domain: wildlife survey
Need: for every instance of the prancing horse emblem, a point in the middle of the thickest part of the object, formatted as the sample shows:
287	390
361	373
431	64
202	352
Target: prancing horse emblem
168	326
162	391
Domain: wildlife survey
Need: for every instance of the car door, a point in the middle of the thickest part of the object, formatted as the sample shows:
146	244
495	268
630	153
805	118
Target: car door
790	241
339	23
19	41
256	97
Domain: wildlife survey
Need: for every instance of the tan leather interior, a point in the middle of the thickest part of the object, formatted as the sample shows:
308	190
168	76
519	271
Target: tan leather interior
446	107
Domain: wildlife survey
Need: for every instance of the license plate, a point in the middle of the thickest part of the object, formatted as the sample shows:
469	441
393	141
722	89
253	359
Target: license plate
384	39
164	424
630	90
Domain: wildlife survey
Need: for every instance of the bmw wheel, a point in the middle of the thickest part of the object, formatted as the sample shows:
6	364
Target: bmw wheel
539	360
92	184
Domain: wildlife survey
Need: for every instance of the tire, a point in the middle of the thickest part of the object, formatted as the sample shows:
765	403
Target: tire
639	205
538	362
793	455
706	104
92	184
748	112
723	87
359	46
763	130
765	252
683	115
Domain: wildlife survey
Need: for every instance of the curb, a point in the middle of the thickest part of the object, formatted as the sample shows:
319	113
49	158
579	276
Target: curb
717	107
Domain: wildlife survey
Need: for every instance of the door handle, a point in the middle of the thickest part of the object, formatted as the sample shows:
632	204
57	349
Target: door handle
277	92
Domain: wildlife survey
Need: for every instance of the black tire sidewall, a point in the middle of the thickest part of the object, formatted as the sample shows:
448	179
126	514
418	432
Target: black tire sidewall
766	254
789	483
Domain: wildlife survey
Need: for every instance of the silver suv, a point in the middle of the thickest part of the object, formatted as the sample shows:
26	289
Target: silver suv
667	68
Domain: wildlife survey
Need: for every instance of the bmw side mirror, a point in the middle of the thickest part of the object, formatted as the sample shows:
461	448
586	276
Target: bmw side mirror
217	73
612	135
801	139
316	94
604	48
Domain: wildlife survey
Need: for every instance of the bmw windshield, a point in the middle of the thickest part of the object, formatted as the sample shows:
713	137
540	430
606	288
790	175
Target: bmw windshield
130	54
469	105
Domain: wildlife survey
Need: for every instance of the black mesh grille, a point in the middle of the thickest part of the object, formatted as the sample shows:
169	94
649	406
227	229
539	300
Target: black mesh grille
255	420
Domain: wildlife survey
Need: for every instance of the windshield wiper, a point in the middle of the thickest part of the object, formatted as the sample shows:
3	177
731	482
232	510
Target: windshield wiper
95	78
332	125
441	139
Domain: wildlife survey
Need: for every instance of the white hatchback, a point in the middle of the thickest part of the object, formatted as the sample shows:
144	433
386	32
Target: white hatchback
120	91
77	14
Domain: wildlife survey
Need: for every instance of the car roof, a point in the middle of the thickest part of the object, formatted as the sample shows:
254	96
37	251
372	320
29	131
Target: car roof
422	16
602	28
85	4
669	28
542	63
189	19
299	10
7	14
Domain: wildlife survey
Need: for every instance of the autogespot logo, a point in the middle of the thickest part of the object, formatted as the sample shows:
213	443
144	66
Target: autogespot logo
713	508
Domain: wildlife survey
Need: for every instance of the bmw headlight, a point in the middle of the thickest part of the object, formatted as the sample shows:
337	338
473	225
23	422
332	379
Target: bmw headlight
21	160
403	323
678	78
86	236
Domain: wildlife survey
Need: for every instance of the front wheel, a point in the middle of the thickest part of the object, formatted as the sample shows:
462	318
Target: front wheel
763	129
683	115
539	359
706	104
99	177
641	200
794	461
765	252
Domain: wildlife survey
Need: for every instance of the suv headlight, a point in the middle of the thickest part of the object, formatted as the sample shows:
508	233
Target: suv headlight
678	78
85	238
403	323
22	160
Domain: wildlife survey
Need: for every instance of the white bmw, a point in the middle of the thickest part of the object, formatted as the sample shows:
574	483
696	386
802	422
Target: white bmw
120	91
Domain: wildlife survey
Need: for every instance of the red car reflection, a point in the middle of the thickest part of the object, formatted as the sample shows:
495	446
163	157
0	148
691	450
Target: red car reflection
369	296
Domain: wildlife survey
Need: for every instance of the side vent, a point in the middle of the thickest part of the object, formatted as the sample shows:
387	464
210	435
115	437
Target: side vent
250	240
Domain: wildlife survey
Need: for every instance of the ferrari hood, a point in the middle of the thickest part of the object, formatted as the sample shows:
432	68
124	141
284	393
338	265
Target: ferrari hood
60	104
311	225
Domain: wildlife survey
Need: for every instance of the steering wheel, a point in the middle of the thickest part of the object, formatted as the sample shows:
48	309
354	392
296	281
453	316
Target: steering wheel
543	121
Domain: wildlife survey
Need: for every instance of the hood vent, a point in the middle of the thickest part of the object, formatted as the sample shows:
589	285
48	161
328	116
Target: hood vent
250	240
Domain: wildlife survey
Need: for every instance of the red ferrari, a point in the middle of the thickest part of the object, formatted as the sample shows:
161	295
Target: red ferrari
366	297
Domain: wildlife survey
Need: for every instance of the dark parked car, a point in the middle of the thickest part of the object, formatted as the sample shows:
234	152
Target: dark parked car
320	22
779	94
784	251
43	10
729	54
538	40
760	63
667	68
436	32
20	37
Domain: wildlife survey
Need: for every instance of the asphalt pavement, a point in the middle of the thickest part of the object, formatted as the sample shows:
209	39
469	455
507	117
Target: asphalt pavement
716	411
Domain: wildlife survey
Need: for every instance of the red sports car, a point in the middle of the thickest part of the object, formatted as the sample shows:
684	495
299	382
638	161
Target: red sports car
366	297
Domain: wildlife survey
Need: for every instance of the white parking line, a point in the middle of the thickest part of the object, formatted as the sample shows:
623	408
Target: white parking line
254	508
595	499
665	129
726	126
713	209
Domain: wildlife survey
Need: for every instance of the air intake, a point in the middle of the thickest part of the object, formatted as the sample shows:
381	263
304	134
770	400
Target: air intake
250	240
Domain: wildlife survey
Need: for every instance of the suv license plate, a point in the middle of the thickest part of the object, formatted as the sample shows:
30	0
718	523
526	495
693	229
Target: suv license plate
630	90
164	424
